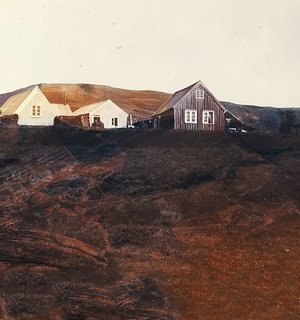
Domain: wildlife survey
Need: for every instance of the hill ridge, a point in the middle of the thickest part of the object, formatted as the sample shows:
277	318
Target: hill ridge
140	103
143	103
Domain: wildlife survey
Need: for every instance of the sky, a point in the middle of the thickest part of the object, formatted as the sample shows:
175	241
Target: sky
243	51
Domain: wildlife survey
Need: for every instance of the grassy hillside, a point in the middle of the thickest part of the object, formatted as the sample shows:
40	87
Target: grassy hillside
148	225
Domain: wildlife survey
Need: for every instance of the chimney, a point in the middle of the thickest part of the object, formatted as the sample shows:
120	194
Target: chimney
65	97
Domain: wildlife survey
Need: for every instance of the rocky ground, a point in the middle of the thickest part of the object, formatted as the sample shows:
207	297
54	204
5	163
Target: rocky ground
145	224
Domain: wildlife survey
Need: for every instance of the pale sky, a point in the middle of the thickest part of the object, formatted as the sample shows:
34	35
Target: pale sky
245	51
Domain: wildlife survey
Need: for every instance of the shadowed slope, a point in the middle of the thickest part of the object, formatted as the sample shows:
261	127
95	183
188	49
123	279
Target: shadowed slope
146	225
266	119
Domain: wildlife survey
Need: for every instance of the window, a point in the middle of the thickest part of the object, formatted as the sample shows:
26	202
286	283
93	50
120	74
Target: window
36	111
96	118
208	117
190	116
200	94
96	122
114	122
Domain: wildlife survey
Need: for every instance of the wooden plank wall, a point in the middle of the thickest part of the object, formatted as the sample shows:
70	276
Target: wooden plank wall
189	101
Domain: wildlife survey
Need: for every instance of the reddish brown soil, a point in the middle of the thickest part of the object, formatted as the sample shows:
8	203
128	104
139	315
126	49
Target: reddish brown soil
135	224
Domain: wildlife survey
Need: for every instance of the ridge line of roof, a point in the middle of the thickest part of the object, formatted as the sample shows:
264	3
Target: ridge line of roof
187	89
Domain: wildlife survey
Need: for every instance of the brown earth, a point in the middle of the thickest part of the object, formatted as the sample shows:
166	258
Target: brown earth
145	224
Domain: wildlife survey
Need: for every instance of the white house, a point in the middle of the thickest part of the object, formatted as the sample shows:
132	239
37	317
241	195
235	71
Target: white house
33	108
107	112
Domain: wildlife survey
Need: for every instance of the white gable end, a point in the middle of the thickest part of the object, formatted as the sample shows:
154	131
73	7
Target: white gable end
110	114
36	110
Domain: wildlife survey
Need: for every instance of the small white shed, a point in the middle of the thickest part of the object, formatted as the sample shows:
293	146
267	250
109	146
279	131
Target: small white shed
33	108
110	114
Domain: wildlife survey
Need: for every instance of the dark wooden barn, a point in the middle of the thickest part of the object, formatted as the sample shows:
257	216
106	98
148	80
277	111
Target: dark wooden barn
192	108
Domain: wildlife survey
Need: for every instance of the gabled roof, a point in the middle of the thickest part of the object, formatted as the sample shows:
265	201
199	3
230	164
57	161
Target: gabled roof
170	103
14	102
178	95
61	109
92	107
89	108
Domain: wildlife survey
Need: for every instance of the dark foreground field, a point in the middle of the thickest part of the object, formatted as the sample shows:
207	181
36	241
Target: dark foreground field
148	225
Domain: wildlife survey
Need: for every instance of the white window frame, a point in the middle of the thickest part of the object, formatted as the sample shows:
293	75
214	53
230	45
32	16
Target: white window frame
113	121
190	116
205	116
200	94
34	111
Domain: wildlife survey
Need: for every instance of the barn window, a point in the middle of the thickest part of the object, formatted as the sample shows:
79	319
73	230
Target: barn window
36	111
190	116
114	122
208	117
200	94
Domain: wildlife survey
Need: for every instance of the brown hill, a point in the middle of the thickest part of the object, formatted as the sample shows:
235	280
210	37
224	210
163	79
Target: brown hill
140	103
148	224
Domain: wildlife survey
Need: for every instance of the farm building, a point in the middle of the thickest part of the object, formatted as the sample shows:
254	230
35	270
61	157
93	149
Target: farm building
104	114
33	108
192	108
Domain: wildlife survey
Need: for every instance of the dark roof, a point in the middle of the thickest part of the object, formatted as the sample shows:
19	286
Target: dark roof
174	99
177	96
